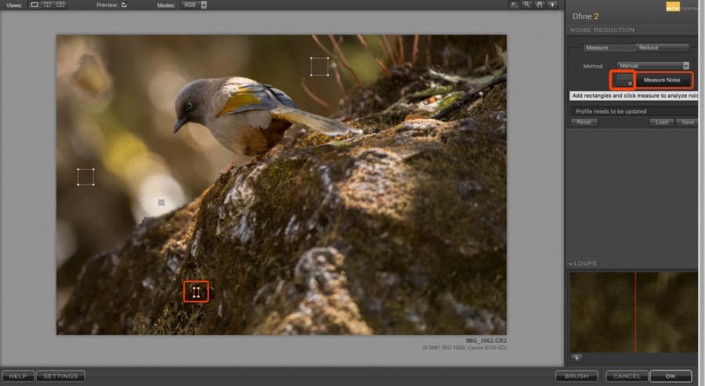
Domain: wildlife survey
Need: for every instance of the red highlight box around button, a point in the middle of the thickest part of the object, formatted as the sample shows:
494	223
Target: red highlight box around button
635	72
691	73
208	291
622	71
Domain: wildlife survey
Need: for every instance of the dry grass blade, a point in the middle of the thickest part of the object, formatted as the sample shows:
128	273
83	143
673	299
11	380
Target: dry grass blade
429	61
385	51
312	95
388	50
342	59
367	47
415	50
402	57
338	59
338	80
337	50
323	47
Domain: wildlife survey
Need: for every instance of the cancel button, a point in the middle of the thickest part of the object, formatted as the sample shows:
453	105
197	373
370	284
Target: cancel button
627	375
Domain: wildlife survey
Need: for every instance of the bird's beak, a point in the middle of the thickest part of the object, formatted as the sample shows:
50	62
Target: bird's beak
180	122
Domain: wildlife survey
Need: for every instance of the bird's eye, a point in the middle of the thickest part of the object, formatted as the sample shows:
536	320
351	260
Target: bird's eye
189	106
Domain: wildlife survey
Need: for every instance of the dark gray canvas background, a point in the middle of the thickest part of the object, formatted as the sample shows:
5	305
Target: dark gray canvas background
27	160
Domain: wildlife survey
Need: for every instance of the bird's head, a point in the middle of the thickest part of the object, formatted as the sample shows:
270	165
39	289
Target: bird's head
192	103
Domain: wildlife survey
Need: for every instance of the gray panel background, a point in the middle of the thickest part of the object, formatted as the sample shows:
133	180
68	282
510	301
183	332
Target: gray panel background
632	196
535	223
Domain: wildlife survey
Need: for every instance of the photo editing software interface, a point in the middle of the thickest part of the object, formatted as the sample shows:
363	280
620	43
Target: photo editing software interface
222	192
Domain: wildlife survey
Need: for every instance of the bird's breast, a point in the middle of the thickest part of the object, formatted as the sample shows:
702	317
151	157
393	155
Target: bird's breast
241	132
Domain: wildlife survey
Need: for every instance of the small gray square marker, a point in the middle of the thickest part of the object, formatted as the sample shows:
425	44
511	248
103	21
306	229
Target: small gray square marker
85	176
319	66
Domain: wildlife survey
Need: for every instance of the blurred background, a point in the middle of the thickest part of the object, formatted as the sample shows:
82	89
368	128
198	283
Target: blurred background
602	312
115	113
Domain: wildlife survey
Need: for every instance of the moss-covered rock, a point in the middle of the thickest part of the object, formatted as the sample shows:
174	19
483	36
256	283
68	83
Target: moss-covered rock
401	230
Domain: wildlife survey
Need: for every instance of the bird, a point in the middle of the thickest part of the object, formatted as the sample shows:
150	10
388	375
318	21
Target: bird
246	116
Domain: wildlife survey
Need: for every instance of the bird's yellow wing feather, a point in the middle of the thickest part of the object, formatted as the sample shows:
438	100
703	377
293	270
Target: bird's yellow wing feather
241	100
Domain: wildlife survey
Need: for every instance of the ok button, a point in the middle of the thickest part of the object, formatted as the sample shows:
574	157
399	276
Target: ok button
671	376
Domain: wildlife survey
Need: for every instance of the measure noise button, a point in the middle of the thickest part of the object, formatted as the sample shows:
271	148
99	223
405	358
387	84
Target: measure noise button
664	79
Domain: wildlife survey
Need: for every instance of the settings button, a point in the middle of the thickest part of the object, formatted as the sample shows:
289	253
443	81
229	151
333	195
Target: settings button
61	376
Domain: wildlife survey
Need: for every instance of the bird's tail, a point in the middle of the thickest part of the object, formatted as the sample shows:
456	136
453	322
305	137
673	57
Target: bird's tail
321	124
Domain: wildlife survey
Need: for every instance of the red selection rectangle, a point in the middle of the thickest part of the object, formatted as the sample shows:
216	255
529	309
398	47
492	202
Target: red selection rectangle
207	291
635	74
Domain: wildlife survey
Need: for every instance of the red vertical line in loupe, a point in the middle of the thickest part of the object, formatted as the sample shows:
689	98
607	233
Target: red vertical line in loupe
634	311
